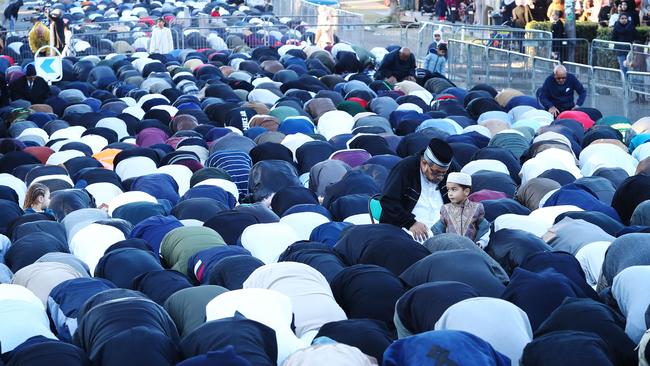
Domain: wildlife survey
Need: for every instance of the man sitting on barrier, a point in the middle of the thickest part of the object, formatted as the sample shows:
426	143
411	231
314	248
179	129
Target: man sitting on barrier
397	66
557	93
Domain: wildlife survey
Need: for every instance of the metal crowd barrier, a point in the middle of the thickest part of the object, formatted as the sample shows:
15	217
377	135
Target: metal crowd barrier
303	9
604	53
585	75
607	88
565	49
638	94
466	32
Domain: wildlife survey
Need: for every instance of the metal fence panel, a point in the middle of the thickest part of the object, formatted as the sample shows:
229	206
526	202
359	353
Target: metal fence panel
610	89
605	53
458	61
638	84
498	74
585	75
542	68
476	64
520	72
640	58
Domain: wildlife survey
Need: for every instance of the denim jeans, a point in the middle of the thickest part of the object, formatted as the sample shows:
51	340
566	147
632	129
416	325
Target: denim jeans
621	62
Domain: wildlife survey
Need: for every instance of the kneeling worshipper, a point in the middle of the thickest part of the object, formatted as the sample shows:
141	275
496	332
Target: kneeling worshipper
412	194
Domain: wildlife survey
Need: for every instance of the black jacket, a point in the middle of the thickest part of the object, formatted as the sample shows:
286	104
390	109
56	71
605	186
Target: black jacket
402	192
624	33
11	11
39	92
392	65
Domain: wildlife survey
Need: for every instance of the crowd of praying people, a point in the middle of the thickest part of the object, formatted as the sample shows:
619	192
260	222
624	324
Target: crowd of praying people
258	199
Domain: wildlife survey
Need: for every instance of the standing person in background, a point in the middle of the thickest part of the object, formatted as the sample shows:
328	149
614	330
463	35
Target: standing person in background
11	14
644	13
557	29
626	7
556	5
623	31
441	9
538	8
68	50
437	39
521	15
325	29
161	39
436	59
57	31
507	7
613	15
39	35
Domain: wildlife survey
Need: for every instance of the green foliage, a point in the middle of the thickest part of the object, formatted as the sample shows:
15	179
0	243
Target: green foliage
590	30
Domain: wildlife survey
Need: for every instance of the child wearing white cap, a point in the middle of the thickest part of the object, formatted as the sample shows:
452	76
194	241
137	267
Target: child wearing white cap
461	216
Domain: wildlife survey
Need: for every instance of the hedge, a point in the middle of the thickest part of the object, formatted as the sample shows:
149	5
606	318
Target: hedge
590	30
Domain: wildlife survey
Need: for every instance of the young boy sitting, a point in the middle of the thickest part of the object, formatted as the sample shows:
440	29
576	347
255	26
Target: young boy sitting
462	216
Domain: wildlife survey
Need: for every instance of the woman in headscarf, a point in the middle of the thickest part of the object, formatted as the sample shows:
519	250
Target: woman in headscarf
57	31
587	315
421	307
632	298
498	322
310	294
626	251
475	271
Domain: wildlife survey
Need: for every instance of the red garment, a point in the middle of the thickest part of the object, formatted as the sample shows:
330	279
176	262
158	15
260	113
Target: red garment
42	153
363	102
8	58
445	97
581	117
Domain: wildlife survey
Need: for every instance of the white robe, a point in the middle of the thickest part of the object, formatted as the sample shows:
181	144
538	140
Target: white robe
427	209
161	40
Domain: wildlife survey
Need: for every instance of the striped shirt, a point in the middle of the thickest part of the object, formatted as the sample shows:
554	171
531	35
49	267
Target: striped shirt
237	163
